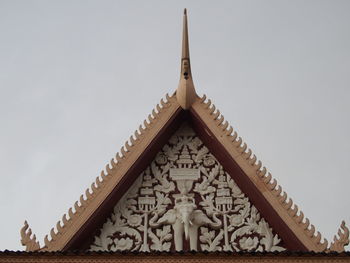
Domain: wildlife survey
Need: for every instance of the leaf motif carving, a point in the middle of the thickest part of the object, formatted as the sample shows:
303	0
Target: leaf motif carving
159	241
212	242
200	155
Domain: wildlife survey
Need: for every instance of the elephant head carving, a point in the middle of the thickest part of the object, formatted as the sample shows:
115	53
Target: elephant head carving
185	220
184	211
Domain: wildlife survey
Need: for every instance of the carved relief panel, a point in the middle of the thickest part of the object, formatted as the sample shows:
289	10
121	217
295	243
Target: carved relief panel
185	201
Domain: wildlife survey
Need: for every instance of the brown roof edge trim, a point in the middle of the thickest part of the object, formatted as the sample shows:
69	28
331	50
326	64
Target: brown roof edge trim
84	237
247	186
174	253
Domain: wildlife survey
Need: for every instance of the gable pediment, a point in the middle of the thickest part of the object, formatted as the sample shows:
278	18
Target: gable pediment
285	225
185	200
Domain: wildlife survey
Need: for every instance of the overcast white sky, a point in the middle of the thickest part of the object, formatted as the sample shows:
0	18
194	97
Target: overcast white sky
78	77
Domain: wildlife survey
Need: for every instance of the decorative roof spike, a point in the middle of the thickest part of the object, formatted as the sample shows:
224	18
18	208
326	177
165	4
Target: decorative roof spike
342	240
185	92
27	239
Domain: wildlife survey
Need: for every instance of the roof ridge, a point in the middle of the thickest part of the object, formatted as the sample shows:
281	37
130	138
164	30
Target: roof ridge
287	204
99	184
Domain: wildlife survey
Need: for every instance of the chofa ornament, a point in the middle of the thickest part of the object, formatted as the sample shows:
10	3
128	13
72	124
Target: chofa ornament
185	201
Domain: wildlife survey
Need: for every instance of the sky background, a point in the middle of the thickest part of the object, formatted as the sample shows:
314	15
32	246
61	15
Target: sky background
78	77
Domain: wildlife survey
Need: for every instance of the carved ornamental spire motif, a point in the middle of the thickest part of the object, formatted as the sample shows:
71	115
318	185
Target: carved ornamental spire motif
27	239
338	244
185	92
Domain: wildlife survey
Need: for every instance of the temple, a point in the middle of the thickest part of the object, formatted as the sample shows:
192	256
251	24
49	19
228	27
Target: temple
184	184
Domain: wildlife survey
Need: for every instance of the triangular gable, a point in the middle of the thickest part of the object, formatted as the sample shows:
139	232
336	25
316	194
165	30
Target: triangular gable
185	200
89	213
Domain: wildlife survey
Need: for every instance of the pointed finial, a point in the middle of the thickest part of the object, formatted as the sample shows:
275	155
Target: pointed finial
185	92
27	239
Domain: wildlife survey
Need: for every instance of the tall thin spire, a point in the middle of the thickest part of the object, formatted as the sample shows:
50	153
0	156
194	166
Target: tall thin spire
185	45
185	92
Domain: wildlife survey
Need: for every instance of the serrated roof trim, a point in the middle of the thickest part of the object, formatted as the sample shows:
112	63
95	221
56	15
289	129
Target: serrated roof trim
253	168
65	228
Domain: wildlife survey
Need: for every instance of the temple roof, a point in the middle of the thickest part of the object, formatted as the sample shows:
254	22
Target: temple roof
252	177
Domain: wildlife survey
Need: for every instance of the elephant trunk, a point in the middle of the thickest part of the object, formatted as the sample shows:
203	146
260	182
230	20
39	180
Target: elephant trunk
186	222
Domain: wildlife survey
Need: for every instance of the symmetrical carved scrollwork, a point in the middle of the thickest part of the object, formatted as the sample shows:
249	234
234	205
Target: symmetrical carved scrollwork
185	201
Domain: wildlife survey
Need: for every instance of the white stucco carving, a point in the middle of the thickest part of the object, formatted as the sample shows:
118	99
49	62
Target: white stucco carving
185	200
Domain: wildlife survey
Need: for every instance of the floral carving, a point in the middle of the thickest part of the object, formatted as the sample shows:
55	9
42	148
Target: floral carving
248	243
185	197
134	220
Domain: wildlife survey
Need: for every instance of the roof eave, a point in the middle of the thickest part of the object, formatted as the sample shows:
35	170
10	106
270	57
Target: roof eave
263	181
104	184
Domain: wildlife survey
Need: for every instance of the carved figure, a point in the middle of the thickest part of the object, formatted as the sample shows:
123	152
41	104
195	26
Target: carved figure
185	220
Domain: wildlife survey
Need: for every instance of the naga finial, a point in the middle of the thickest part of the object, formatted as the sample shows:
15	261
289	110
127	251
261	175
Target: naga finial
338	244
29	242
185	92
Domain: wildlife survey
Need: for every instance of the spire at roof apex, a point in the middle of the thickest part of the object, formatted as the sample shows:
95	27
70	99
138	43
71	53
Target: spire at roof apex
185	92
